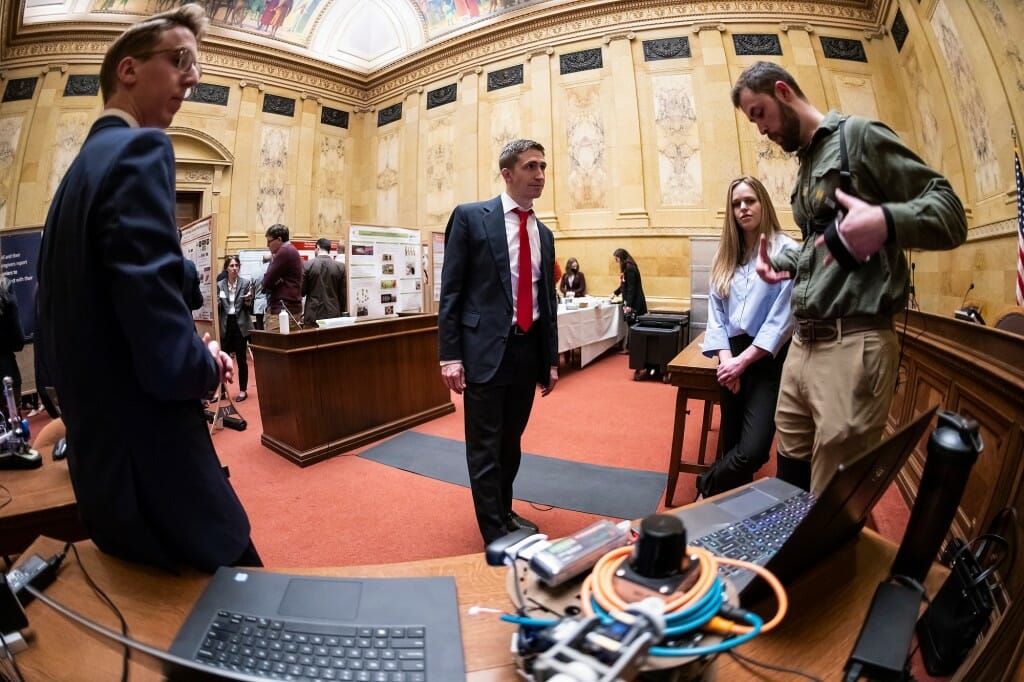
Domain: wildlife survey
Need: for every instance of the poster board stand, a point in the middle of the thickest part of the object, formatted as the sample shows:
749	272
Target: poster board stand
197	239
384	272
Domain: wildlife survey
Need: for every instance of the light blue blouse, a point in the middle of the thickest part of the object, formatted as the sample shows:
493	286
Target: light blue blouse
753	307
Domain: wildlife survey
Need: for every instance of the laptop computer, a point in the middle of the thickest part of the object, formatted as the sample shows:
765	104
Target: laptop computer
786	529
281	626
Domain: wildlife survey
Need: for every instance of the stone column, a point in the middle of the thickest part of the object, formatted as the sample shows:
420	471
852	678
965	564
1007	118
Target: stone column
410	176
243	231
305	189
541	127
627	157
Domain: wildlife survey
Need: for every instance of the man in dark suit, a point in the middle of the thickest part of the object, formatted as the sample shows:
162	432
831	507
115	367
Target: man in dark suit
498	328
115	332
323	285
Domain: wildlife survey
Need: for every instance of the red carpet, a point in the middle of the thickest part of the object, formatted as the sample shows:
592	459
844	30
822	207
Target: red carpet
347	511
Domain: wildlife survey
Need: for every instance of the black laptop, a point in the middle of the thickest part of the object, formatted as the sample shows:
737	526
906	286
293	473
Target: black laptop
786	529
280	626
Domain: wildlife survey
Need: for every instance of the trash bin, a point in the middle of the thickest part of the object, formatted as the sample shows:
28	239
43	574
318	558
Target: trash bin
672	316
652	345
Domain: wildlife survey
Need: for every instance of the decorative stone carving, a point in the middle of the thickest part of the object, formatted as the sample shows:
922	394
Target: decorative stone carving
389	114
900	30
584	60
82	86
19	89
272	104
207	93
666	48
442	96
757	44
334	117
843	48
504	78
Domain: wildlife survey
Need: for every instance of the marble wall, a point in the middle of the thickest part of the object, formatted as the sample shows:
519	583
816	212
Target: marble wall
642	142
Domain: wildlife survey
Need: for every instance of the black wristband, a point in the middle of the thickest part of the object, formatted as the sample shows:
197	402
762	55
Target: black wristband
838	249
890	226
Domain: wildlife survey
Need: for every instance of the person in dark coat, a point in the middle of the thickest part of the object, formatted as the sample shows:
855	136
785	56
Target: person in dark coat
498	328
323	285
112	322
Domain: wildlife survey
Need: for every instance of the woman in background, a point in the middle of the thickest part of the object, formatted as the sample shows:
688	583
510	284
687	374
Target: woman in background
235	298
749	326
573	280
631	288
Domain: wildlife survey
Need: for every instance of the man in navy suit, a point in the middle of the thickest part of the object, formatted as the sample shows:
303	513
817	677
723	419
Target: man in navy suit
498	328
115	333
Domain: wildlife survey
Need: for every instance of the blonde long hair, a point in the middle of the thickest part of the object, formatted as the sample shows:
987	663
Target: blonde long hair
731	248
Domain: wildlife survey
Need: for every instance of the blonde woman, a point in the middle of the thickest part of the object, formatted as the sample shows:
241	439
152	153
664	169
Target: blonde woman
749	326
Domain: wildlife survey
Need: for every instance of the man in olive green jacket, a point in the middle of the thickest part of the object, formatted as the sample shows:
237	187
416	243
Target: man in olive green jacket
861	197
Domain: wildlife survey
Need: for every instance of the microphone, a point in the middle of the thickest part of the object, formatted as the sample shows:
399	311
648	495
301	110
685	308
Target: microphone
962	303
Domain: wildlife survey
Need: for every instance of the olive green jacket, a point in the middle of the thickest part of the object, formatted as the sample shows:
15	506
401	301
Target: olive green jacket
921	209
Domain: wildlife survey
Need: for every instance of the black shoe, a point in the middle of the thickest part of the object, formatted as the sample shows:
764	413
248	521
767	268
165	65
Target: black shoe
515	522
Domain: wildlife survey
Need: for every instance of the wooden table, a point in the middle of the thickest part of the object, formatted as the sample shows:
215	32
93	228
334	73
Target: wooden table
593	329
827	607
42	503
694	376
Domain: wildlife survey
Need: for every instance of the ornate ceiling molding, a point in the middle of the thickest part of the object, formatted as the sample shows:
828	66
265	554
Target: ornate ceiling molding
516	35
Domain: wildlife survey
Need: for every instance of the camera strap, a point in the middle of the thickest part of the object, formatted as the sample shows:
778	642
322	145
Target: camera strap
832	239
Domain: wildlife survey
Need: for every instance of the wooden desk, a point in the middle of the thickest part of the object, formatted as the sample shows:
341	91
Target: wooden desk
327	391
42	503
827	607
695	377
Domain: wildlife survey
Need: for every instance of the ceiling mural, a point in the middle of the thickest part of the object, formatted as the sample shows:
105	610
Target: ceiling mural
442	16
289	20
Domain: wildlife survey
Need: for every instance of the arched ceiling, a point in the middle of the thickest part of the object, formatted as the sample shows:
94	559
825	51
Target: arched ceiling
364	37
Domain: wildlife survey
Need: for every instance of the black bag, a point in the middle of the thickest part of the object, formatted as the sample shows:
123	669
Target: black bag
632	318
963	606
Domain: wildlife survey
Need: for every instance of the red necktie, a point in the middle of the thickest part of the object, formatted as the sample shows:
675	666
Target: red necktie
524	290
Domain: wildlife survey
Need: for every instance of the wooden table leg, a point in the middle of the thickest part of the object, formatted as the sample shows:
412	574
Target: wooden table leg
705	425
676	453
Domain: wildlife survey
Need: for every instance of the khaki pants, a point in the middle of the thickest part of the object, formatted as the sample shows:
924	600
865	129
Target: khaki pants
834	399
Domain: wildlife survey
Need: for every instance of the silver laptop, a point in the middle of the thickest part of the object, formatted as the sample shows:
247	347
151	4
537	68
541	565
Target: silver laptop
280	626
784	528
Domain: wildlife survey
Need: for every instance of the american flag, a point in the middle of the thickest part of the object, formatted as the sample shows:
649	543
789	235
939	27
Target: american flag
1020	222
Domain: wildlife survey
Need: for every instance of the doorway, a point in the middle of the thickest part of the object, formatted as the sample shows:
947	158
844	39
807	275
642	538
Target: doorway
187	207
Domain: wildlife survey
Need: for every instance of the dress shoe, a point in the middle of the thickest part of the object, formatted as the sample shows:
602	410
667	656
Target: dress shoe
241	396
515	522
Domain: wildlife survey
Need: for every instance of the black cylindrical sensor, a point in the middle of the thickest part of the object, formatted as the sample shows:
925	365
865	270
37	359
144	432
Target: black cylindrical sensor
660	549
952	450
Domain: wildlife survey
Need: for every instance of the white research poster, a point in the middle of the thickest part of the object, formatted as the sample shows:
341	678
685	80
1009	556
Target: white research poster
384	275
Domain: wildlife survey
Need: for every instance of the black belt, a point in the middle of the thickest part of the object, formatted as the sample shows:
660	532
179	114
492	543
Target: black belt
809	331
516	331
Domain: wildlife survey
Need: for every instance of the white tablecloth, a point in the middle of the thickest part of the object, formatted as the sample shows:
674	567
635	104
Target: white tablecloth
593	329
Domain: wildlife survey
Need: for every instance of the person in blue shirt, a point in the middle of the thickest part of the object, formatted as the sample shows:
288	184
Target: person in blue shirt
749	326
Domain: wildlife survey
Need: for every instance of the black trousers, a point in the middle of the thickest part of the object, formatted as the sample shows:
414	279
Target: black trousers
748	422
496	416
235	343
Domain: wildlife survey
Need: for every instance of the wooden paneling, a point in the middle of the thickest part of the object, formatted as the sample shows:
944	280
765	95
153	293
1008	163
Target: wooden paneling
979	373
327	391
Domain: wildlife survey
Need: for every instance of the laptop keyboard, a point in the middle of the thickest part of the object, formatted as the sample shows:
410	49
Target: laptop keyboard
756	539
283	650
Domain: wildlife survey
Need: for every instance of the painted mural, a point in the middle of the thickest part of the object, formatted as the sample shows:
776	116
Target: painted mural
442	16
440	168
678	140
288	20
10	134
